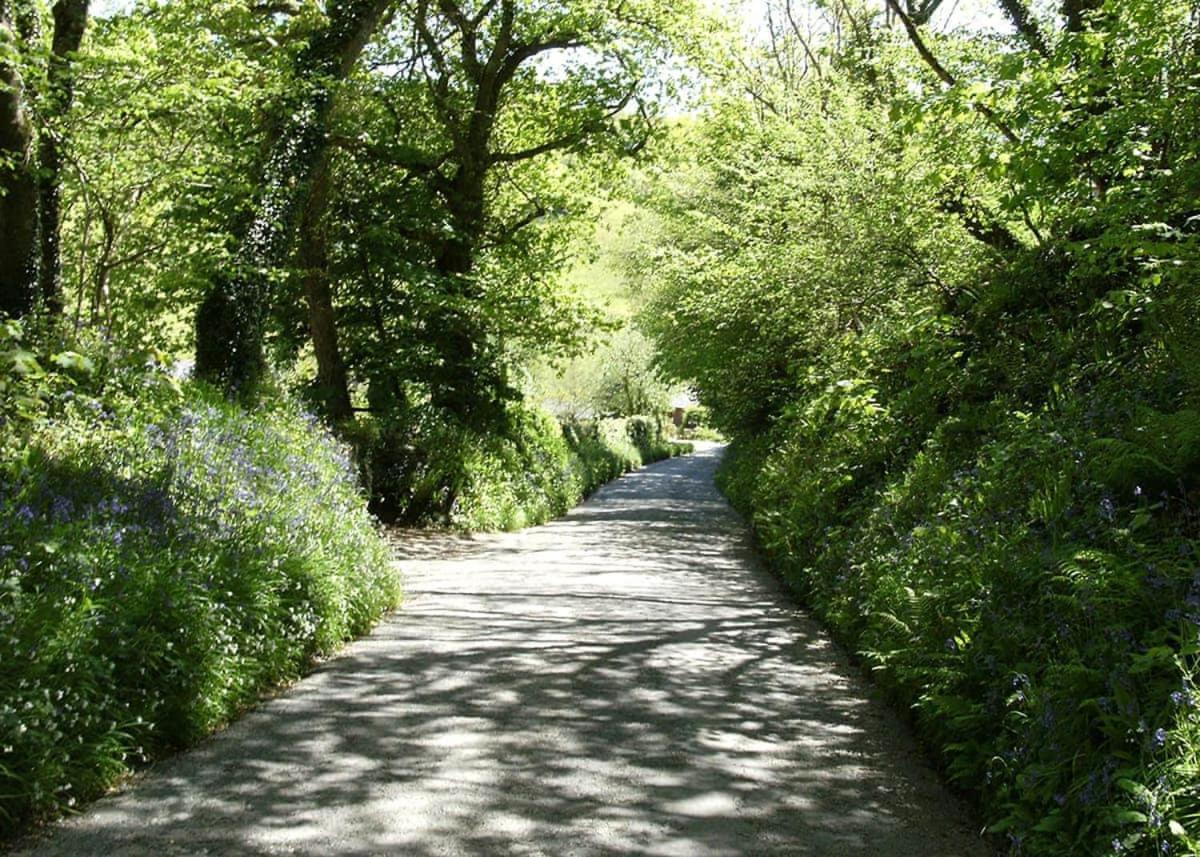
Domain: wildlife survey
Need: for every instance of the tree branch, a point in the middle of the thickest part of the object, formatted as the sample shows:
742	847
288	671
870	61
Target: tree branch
1018	12
468	32
405	158
981	227
813	63
439	82
922	12
914	36
276	7
1074	13
484	10
534	151
522	53
593	126
505	233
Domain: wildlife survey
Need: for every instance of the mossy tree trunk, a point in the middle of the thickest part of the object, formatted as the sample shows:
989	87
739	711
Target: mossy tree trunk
70	21
333	386
18	178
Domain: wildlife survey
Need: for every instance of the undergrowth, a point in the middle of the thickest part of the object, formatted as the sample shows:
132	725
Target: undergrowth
165	556
1008	536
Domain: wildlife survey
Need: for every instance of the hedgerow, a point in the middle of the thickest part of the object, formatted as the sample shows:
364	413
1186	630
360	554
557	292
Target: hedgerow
533	470
1020	569
165	556
957	357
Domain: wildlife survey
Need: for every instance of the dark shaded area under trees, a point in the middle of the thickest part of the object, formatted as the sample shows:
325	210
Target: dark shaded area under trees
30	216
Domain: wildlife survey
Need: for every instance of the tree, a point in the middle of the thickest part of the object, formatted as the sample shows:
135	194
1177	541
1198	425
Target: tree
333	383
229	322
70	21
18	172
159	155
502	86
30	210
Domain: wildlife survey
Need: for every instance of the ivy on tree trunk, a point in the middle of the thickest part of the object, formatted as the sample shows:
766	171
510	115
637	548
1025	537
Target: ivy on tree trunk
333	387
230	321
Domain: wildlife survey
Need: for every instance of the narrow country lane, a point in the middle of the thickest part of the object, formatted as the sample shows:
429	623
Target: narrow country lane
624	681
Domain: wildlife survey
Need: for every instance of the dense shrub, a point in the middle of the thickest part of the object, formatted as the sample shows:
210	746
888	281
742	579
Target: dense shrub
696	424
644	435
1019	565
164	557
533	470
957	360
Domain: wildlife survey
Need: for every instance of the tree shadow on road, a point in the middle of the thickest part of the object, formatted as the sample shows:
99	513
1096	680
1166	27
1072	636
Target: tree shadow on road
664	700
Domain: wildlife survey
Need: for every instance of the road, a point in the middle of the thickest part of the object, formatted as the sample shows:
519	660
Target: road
627	680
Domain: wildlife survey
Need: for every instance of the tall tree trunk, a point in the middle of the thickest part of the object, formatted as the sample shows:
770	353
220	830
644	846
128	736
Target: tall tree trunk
229	322
18	183
332	383
70	21
461	385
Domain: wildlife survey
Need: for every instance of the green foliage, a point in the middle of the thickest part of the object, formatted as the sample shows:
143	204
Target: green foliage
532	471
30	383
642	435
616	378
461	185
161	146
166	557
1159	452
958	368
696	424
1043	627
942	300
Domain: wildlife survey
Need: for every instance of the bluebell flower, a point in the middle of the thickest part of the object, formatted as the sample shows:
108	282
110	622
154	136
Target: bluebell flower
1160	737
61	509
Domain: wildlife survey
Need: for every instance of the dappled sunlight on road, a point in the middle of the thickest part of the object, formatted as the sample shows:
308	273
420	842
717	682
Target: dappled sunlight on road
623	681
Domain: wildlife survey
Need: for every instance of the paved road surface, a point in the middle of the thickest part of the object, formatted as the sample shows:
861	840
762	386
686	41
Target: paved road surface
623	681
